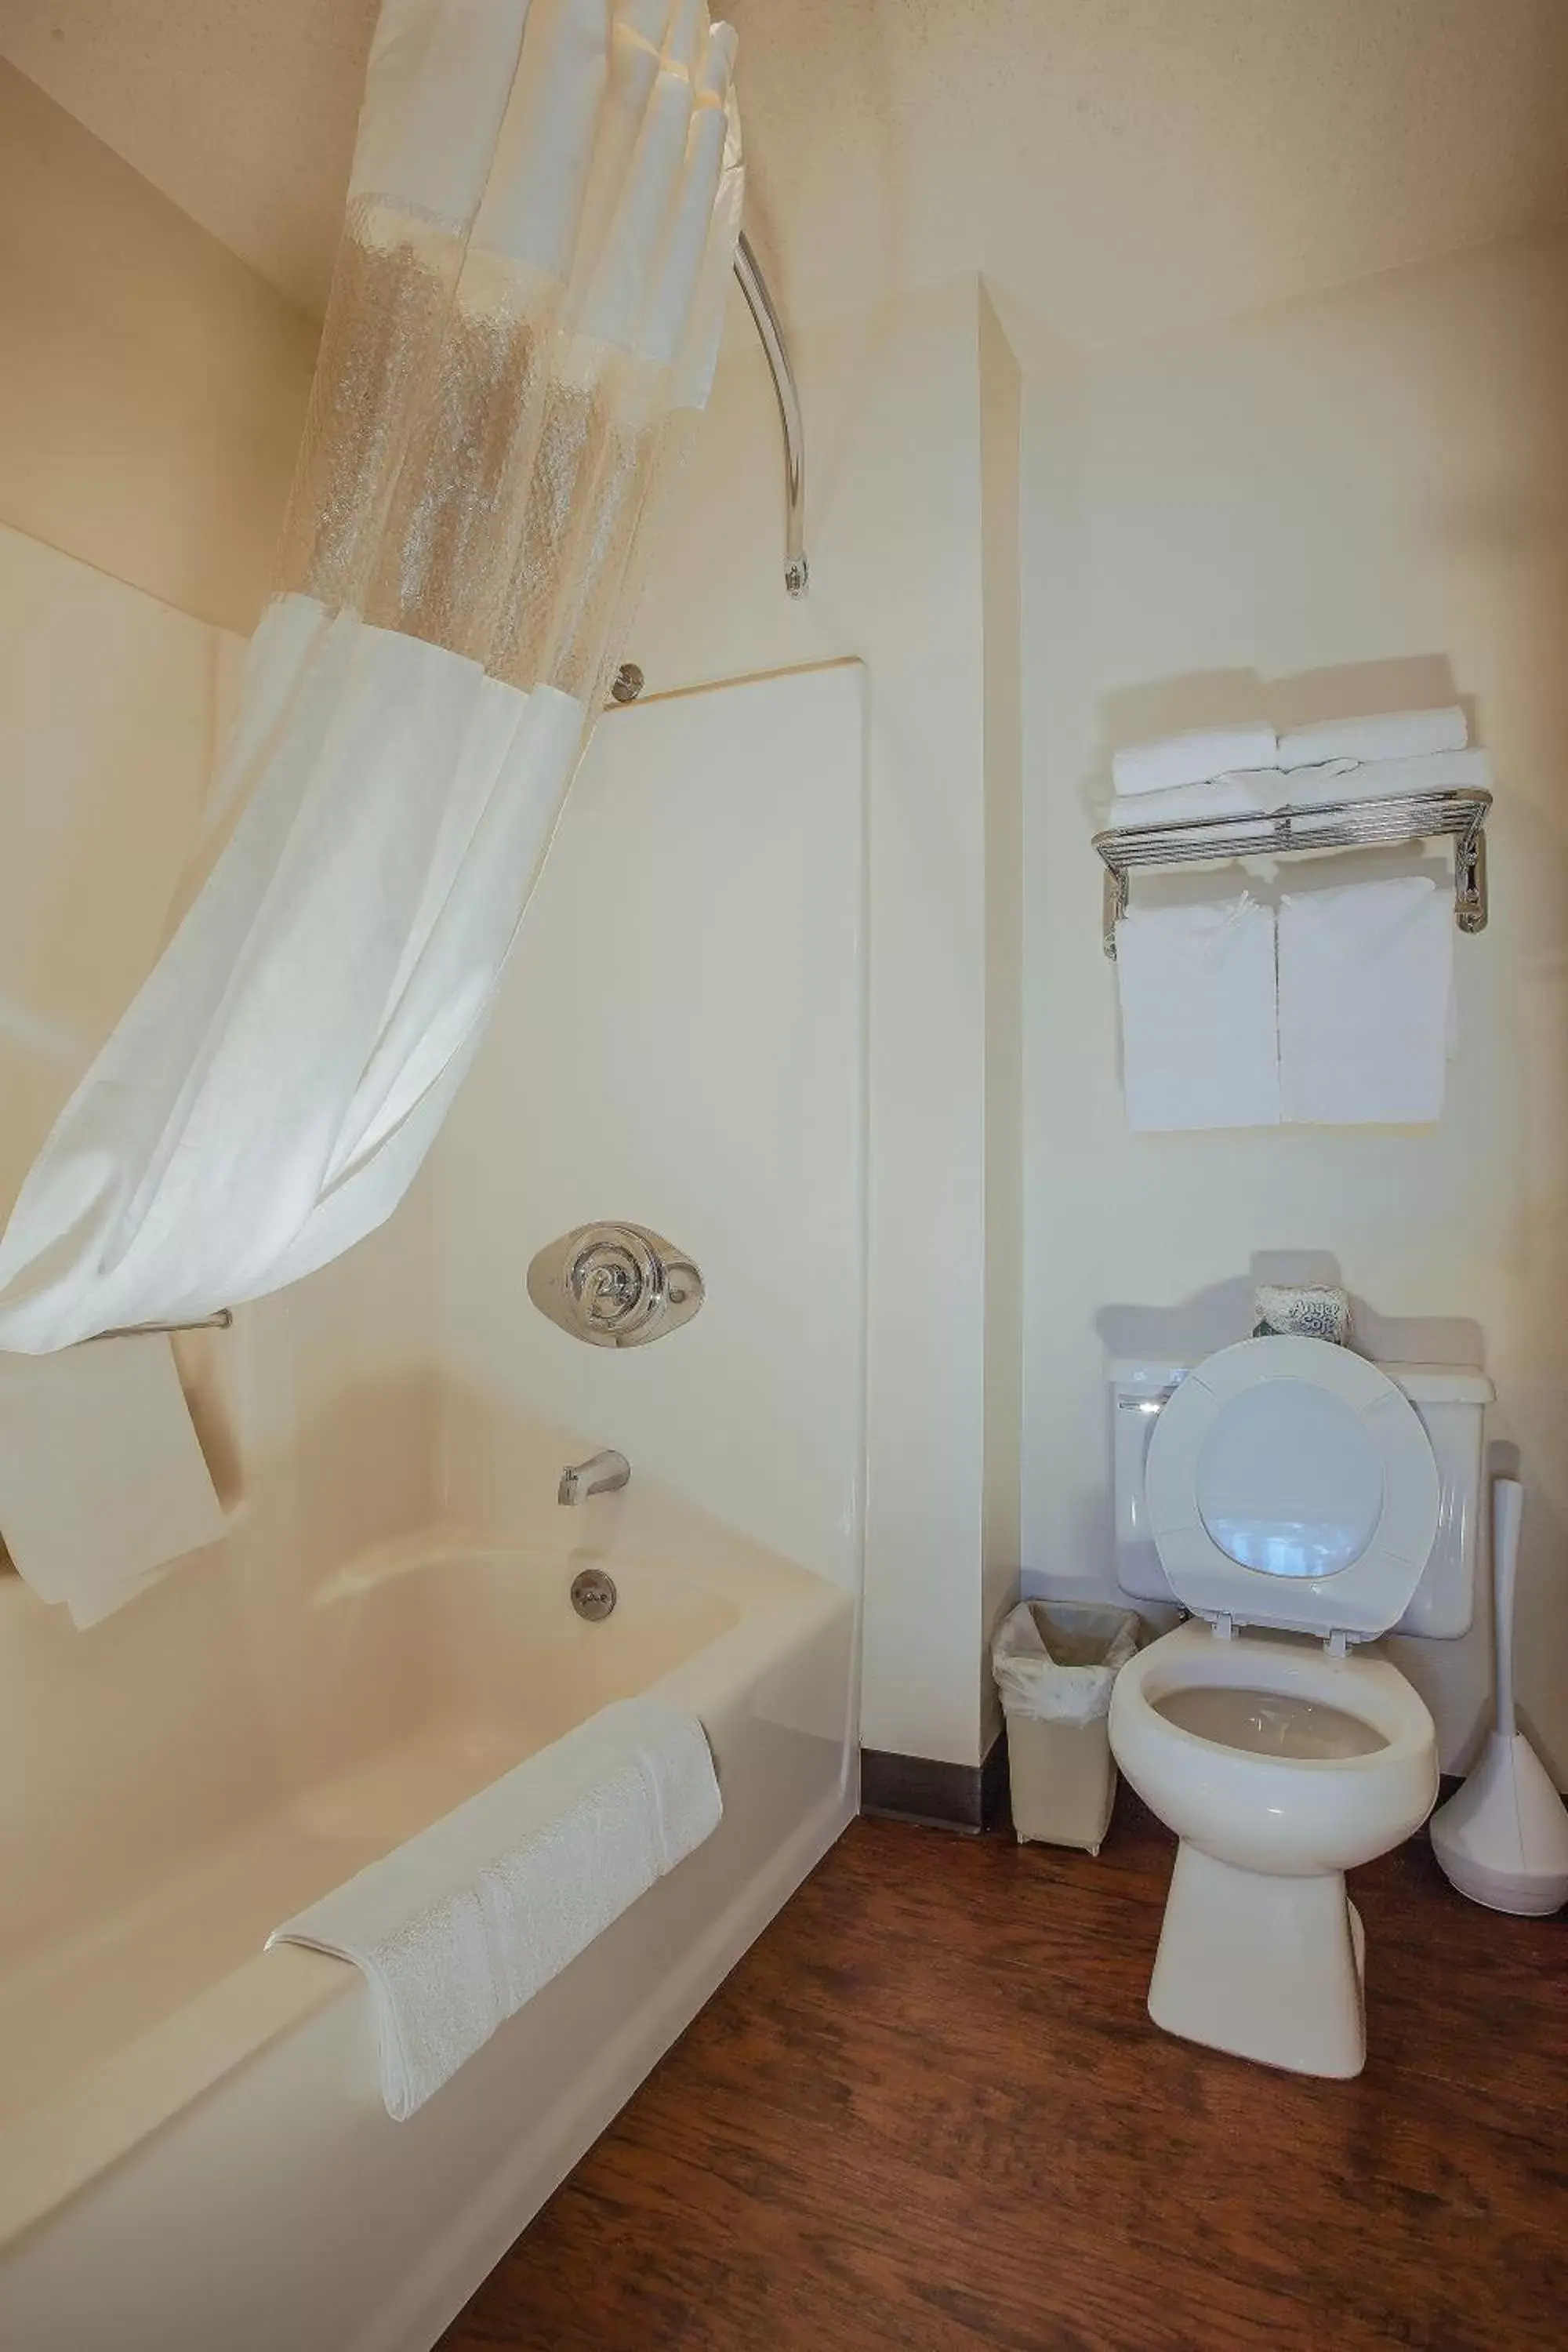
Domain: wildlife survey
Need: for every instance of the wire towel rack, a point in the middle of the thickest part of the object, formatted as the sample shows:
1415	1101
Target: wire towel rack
1384	823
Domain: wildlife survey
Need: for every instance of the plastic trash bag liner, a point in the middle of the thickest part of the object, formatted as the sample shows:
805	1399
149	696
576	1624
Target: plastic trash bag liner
1055	1661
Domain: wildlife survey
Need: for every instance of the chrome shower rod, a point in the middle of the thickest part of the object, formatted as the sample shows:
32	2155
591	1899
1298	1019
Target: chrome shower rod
754	287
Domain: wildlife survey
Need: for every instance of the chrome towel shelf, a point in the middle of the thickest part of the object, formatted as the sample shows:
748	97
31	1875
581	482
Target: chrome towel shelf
1333	824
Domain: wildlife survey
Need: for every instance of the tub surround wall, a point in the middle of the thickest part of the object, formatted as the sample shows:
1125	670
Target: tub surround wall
680	1042
1358	502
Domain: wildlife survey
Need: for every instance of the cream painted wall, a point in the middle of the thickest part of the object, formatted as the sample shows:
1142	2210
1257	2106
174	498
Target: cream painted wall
893	400
1355	503
153	387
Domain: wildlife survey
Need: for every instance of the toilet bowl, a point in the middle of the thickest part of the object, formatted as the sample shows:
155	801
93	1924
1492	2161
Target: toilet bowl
1280	1768
1290	1489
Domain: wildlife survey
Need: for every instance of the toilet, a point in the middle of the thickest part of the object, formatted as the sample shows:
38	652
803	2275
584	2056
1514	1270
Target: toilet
1299	1501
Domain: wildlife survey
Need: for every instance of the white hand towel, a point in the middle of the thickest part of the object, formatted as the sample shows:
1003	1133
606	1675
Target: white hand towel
102	1481
1197	1016
1193	759
1392	735
1365	974
1365	780
458	1928
1234	795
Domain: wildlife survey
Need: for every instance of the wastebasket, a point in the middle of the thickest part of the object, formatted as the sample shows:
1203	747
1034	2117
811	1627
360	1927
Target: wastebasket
1055	1663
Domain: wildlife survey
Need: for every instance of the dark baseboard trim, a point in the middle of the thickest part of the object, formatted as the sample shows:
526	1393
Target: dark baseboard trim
964	1797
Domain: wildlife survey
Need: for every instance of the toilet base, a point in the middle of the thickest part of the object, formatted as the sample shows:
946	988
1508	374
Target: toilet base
1268	1968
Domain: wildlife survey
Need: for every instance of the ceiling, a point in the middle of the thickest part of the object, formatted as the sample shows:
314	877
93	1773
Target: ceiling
1119	168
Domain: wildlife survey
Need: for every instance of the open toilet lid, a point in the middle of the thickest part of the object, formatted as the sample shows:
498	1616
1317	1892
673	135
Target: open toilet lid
1291	1484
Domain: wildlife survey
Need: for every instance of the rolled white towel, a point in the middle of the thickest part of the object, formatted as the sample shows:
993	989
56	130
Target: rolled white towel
1368	780
1234	795
1391	735
1193	759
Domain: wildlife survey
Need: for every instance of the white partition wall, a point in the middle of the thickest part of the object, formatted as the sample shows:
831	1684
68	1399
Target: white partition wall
680	1045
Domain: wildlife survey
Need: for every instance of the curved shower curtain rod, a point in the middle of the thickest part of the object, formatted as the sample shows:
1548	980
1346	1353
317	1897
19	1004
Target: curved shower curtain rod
754	287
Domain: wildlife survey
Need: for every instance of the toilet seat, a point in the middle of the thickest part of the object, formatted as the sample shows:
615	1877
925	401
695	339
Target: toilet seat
1291	1484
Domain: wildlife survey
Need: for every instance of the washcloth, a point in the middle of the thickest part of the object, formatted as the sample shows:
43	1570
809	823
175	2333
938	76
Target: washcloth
1193	759
1302	1311
102	1482
1197	1016
1365	979
1392	735
1234	795
1365	779
458	1928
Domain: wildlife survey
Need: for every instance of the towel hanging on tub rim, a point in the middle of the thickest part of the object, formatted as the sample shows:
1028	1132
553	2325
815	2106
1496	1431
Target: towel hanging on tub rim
523	323
459	1928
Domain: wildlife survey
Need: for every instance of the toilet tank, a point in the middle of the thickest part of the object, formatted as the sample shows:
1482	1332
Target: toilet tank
1451	1401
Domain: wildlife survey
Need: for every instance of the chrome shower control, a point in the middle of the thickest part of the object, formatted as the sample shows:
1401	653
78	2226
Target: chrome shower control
614	1286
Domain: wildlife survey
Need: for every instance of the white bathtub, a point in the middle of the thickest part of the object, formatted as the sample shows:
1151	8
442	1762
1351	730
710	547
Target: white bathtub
194	2154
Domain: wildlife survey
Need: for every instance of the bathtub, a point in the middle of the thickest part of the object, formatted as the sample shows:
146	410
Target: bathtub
194	2153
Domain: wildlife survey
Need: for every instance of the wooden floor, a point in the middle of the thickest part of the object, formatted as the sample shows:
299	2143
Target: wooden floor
929	2114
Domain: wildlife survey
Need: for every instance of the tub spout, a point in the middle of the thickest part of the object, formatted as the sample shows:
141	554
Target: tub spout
600	1474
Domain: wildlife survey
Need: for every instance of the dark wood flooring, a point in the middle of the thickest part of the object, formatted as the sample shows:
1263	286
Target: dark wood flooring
929	2114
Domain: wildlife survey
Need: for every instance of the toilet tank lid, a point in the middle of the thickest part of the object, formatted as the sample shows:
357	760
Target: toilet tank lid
1153	1376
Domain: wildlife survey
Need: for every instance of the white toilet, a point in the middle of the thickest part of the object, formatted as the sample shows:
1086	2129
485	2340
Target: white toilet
1293	1489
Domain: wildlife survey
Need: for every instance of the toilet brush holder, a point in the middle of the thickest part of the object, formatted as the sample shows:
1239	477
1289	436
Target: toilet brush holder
1503	1839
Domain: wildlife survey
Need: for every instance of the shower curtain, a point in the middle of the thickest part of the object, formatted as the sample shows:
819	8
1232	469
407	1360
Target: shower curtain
523	323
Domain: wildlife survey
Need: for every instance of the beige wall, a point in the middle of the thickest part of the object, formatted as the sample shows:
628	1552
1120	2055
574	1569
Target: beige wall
1355	502
153	387
894	402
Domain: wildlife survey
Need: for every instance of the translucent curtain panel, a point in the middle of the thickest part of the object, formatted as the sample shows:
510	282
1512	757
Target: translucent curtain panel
523	324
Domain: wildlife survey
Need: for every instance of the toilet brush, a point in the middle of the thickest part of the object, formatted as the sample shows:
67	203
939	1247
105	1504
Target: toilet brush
1503	1839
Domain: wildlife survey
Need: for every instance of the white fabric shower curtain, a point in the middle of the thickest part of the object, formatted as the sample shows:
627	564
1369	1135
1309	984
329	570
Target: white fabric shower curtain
523	320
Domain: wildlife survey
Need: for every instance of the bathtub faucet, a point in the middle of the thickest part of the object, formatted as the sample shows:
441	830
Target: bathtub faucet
600	1474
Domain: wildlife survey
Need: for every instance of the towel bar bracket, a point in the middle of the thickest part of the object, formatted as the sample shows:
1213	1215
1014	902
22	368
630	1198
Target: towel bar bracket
221	1321
1389	823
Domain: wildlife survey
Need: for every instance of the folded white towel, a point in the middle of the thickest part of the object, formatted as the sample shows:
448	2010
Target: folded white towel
1193	759
1236	796
1392	735
102	1481
1366	980
1365	780
461	1926
1197	1016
